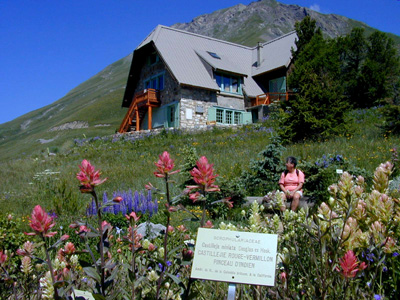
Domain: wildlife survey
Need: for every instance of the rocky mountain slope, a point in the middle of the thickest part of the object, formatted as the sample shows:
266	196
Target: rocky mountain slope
94	107
262	21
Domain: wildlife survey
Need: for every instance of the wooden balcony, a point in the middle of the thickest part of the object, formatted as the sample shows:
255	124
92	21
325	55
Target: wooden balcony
142	102
269	98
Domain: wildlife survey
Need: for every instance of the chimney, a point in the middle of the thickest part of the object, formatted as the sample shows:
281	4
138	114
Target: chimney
259	46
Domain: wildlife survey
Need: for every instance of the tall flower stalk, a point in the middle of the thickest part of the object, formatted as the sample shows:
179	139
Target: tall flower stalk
165	165
41	223
89	178
133	240
205	177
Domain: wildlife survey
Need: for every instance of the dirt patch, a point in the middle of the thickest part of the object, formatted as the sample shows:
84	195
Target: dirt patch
71	125
43	141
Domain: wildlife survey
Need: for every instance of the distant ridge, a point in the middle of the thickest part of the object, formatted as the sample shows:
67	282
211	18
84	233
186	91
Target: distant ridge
93	108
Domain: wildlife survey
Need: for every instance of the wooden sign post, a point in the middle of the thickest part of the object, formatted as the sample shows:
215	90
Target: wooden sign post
235	257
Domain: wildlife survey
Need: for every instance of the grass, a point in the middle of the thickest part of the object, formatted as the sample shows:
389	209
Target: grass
129	164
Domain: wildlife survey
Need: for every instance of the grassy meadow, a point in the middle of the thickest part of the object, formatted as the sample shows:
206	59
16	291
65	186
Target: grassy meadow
128	163
356	229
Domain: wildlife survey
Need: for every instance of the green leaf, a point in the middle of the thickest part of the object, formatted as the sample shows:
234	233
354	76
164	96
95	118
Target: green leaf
58	284
113	275
176	280
131	275
99	297
92	273
91	234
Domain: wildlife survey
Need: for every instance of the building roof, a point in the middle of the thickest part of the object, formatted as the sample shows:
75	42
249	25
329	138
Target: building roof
187	56
275	54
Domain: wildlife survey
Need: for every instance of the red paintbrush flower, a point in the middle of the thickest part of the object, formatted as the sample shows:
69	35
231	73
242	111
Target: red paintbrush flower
165	165
41	223
88	177
204	176
350	265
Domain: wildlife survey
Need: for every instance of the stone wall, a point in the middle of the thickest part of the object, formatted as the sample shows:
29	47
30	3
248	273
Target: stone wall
171	87
194	104
230	101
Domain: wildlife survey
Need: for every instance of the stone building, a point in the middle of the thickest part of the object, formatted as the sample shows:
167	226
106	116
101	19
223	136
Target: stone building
185	80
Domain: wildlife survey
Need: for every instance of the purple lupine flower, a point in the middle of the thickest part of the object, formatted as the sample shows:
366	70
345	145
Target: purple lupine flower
136	201
105	200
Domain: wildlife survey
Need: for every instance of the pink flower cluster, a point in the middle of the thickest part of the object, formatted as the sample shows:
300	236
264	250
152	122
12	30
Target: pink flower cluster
165	165
350	265
41	223
88	177
204	176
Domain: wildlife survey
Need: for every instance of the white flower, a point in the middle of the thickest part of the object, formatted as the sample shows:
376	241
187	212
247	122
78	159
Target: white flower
152	276
145	244
47	286
74	260
161	252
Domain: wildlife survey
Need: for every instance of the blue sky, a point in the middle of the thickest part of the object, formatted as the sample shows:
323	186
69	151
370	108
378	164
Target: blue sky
48	47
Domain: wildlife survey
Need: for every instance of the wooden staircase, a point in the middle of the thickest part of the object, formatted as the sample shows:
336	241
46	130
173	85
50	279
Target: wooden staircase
141	104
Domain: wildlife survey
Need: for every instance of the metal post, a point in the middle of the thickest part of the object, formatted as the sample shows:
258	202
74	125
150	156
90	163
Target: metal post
231	291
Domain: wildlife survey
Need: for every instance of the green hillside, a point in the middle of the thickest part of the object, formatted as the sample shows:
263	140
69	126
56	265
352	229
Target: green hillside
94	107
128	162
89	103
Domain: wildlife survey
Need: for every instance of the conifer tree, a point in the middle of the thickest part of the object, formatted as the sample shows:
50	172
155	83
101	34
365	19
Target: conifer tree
381	70
318	108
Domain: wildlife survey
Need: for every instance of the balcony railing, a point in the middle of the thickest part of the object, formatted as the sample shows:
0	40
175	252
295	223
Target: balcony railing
269	98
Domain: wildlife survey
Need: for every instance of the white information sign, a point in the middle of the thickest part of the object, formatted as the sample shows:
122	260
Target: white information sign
189	114
236	257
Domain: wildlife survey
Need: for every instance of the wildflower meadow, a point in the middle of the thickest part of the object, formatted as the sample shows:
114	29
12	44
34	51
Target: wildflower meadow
91	234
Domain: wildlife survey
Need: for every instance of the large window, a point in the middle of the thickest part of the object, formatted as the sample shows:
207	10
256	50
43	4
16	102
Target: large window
277	85
227	116
229	83
222	115
155	82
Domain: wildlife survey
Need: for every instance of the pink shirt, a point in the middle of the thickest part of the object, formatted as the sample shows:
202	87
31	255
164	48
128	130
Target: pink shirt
291	180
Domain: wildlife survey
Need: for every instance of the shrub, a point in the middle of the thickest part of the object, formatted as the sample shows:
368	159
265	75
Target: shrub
322	172
391	124
263	174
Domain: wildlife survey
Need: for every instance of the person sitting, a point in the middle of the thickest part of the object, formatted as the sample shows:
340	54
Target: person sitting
291	183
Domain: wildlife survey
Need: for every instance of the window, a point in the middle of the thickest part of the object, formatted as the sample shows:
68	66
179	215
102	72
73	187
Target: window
235	85
213	54
153	58
220	116
277	85
171	114
228	117
155	82
237	118
161	82
229	83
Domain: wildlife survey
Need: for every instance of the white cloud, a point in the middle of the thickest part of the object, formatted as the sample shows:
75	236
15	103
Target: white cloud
315	7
